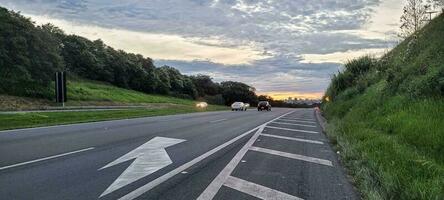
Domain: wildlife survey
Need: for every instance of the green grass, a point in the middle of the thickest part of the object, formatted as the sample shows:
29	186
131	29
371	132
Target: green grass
27	120
387	119
393	146
82	90
92	93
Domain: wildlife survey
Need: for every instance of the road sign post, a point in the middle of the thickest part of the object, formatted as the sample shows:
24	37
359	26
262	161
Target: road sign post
60	87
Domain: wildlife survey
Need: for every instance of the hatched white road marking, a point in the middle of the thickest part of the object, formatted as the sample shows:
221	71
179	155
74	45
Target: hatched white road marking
148	158
147	187
290	129
284	123
298	121
220	179
293	156
46	158
293	139
256	190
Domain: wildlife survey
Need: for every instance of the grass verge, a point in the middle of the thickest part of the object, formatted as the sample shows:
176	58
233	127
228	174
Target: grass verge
38	119
392	145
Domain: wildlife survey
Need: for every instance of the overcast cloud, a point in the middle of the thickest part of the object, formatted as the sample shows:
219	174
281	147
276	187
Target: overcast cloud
281	47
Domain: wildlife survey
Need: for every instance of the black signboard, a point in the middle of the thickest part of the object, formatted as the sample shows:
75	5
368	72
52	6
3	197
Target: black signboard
60	87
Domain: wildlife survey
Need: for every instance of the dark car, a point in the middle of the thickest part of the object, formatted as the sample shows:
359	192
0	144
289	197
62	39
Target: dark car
263	105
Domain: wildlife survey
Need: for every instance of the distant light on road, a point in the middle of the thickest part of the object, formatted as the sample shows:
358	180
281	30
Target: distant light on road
202	105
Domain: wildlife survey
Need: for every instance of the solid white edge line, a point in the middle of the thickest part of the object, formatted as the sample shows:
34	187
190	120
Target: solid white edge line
257	190
290	129
293	156
147	187
220	179
293	139
45	158
284	123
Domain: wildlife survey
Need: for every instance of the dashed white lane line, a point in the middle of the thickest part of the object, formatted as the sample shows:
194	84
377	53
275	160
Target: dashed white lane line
256	190
285	123
298	121
292	156
219	120
290	129
147	187
293	139
45	158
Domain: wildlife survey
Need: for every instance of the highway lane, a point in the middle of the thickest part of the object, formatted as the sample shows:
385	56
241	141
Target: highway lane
172	157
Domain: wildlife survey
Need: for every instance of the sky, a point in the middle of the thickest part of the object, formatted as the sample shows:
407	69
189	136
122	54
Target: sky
283	48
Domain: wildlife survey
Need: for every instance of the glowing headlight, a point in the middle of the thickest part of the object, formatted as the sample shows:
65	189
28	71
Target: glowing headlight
202	105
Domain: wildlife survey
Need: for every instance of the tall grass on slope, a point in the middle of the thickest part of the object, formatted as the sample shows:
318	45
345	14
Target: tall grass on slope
83	90
393	146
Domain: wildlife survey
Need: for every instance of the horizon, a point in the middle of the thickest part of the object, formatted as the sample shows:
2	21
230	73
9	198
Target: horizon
282	49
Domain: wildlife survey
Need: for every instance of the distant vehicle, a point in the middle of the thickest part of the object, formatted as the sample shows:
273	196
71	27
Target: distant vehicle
238	106
263	105
202	105
247	105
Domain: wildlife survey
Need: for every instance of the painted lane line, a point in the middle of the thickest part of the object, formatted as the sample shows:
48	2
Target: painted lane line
298	121
220	120
220	179
292	156
256	190
289	129
284	123
45	158
147	187
293	139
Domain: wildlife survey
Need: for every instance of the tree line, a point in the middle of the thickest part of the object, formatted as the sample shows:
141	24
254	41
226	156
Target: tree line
30	55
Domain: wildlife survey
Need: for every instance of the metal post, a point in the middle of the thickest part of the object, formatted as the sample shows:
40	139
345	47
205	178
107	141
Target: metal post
63	89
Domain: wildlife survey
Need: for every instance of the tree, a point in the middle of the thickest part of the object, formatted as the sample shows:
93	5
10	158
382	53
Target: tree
414	17
205	85
236	91
437	3
29	56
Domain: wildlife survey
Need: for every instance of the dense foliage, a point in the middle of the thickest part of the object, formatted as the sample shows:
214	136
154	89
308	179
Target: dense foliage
29	56
387	116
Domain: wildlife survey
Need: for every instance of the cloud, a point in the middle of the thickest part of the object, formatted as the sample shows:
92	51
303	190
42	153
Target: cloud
159	46
285	46
341	57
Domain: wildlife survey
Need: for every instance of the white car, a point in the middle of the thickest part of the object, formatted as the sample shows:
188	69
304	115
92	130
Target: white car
238	106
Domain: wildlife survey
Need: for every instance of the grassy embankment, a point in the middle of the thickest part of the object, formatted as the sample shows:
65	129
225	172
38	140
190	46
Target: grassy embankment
88	93
386	117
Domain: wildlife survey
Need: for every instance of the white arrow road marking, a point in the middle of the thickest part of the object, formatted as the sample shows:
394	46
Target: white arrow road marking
149	158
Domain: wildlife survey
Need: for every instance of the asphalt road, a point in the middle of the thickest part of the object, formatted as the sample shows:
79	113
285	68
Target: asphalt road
281	154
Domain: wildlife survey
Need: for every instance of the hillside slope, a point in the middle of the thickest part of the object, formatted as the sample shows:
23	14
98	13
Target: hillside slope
88	95
387	117
83	92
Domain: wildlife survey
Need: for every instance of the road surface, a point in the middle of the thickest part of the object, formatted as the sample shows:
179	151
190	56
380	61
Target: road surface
216	155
